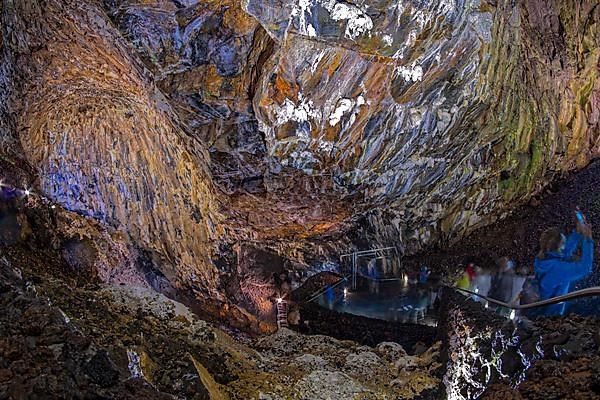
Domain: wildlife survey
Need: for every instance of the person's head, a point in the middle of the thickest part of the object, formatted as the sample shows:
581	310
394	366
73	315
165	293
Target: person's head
551	240
505	264
470	270
523	270
294	317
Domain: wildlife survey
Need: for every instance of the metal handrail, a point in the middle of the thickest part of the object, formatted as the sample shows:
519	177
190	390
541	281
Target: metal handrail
362	252
587	292
358	254
380	279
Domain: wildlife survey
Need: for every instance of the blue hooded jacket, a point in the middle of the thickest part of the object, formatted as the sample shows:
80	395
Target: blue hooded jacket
558	269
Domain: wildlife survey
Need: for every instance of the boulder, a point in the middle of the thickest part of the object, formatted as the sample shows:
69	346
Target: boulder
325	385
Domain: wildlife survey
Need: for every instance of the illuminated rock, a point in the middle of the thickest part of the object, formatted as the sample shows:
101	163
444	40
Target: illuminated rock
304	127
488	355
104	140
441	114
202	55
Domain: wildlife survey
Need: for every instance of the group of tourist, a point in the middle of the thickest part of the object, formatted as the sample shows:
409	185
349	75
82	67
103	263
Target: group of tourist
556	267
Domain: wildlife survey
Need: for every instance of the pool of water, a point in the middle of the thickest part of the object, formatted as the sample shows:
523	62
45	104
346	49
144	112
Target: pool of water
393	300
400	301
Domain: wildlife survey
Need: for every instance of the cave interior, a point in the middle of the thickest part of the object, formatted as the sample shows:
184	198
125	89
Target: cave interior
260	199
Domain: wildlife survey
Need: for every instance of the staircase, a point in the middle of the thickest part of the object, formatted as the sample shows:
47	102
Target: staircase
282	314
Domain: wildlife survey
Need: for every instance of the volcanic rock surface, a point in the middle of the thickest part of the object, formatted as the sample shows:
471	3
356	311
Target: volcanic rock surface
103	139
490	357
62	339
204	132
439	114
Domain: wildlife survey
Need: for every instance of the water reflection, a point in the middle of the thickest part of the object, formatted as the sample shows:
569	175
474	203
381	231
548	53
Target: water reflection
408	301
391	300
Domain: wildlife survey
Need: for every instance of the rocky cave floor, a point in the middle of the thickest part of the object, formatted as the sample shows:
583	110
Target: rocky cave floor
61	337
64	335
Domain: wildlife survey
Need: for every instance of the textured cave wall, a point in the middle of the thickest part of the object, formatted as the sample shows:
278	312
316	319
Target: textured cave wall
102	138
103	141
202	56
443	114
8	141
299	128
407	123
490	357
208	58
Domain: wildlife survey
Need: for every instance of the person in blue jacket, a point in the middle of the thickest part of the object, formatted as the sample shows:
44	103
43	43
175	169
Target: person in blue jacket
555	265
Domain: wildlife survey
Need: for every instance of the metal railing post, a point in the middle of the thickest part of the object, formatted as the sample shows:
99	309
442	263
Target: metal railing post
354	271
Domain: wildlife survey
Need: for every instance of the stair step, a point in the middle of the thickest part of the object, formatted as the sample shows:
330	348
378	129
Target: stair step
282	315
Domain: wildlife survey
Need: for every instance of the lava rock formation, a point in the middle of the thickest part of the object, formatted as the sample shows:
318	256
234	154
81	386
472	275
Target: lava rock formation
198	131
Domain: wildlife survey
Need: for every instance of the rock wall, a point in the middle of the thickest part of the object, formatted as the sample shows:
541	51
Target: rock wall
202	56
491	357
413	122
103	139
442	114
